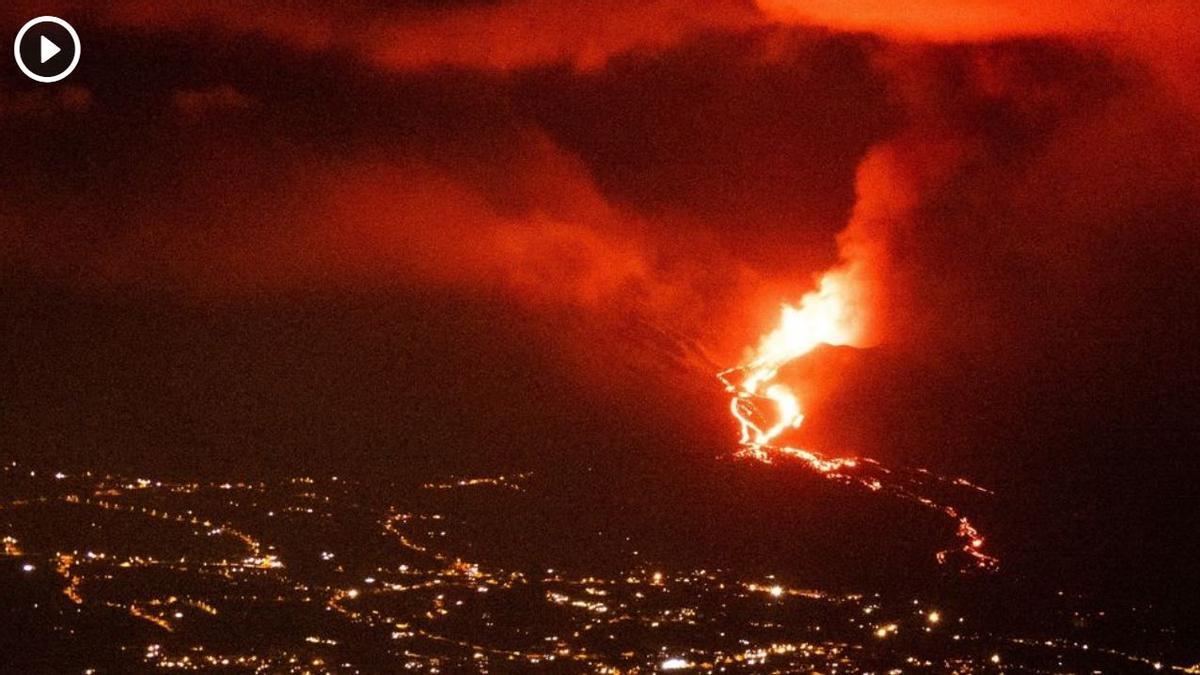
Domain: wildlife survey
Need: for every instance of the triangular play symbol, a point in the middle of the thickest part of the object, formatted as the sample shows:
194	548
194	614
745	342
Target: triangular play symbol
49	49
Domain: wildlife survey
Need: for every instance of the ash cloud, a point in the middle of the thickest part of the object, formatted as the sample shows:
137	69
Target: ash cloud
691	164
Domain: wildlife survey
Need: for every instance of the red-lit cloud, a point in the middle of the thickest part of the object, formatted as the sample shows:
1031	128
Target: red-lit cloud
479	35
687	163
1160	33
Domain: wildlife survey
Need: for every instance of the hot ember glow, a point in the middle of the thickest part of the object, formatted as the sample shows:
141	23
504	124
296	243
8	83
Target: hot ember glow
824	316
766	408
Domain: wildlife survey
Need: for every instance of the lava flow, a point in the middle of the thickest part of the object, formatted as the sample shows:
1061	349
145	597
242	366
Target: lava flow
829	315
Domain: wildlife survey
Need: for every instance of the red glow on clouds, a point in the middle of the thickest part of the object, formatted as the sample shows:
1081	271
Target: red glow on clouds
985	158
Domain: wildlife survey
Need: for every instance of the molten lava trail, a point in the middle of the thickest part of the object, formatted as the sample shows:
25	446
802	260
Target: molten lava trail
766	408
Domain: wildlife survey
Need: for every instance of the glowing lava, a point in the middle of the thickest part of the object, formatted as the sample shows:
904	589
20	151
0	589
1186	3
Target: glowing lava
829	315
823	316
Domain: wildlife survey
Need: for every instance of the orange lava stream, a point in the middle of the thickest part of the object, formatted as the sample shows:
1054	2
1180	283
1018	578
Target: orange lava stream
828	316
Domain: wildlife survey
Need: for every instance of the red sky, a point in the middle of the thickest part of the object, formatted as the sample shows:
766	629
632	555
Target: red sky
1023	181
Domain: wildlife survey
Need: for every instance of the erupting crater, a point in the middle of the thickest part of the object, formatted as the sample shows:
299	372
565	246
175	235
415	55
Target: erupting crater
766	408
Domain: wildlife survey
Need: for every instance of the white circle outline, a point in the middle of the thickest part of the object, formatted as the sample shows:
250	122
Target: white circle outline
21	35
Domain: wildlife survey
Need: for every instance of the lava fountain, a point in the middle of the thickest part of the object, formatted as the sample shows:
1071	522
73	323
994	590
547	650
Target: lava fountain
823	316
766	408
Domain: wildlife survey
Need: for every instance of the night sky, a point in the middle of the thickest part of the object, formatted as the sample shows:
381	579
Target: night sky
258	238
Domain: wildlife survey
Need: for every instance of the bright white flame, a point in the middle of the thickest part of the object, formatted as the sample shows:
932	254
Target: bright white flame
824	316
832	314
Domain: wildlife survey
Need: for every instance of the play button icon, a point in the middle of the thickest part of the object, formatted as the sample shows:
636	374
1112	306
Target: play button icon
47	49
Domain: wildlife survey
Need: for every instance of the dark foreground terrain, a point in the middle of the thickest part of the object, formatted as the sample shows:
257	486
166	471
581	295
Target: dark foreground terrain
106	573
